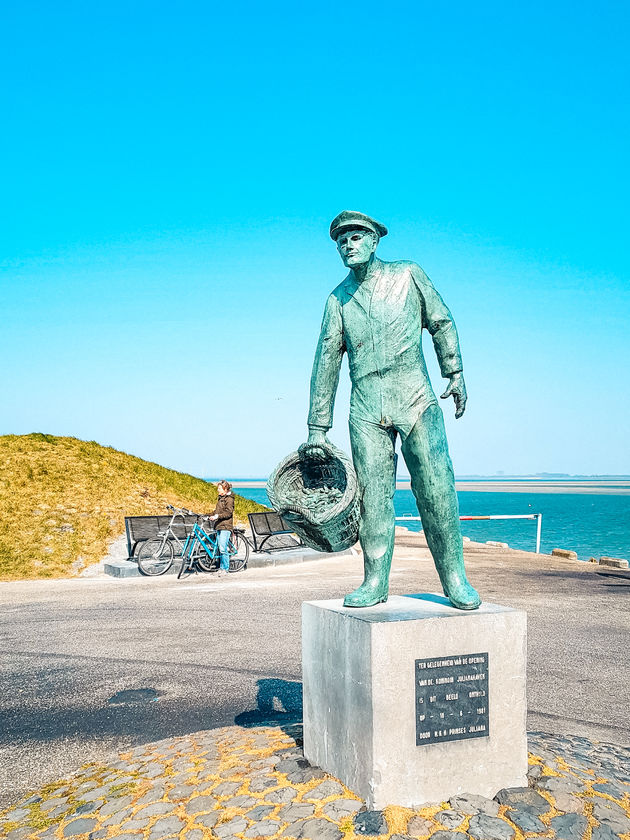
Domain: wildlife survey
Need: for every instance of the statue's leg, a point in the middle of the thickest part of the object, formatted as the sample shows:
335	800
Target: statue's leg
425	451
373	457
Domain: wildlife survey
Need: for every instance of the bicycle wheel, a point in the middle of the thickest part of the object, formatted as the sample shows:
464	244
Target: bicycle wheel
155	557
206	561
238	549
188	562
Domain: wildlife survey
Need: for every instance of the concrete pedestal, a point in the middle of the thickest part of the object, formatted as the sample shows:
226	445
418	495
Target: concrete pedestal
371	718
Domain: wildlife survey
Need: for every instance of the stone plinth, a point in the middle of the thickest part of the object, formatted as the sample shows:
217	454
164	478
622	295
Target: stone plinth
364	673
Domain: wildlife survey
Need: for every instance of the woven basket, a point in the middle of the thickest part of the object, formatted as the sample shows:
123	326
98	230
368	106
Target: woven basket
318	497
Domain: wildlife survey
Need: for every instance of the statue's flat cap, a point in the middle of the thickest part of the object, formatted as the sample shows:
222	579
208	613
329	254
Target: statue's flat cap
348	219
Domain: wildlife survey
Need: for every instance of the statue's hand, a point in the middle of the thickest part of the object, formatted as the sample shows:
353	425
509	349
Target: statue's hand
316	445
457	389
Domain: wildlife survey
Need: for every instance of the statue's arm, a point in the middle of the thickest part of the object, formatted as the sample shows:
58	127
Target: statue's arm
439	322
325	376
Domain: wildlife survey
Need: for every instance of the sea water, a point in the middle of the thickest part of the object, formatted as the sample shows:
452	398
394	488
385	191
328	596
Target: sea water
593	525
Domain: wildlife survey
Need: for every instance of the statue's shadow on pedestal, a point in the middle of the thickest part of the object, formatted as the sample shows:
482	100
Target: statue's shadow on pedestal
434	599
279	704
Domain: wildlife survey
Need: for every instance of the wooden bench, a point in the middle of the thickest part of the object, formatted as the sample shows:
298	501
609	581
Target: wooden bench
141	528
270	532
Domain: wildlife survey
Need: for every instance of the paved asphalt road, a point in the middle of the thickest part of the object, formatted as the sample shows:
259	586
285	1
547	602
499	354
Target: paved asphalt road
216	651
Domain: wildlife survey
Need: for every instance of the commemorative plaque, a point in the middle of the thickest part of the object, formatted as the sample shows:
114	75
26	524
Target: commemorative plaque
452	698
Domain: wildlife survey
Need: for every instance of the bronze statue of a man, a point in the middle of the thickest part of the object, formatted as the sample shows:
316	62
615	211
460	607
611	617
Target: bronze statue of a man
376	315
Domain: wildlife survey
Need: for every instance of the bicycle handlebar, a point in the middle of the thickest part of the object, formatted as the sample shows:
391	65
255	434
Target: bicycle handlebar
181	511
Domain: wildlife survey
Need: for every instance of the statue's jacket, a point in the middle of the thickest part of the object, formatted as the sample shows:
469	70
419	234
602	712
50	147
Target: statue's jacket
379	323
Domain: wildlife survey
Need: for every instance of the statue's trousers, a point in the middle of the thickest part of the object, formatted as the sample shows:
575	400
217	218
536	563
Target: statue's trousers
425	452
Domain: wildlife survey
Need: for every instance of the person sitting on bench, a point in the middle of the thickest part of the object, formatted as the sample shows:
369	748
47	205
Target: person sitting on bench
223	523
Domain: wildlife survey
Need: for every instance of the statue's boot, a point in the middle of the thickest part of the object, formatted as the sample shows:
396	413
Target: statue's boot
455	584
375	586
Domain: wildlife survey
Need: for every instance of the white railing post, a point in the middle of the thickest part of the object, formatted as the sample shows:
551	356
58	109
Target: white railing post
538	531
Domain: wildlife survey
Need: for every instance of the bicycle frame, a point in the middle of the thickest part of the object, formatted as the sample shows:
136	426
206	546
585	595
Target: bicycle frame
199	535
209	542
169	534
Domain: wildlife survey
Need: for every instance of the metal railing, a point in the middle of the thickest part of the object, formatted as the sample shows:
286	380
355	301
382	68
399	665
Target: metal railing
537	516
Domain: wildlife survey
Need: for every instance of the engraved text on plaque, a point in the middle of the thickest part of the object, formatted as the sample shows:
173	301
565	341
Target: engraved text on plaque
452	698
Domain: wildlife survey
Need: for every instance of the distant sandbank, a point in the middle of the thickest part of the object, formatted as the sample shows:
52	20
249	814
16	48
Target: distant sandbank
617	488
621	488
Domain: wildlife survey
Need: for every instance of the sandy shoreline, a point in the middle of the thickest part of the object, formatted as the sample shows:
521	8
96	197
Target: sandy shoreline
617	488
593	487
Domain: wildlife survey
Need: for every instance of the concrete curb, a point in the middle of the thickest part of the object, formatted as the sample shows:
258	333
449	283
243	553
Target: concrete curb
614	562
129	568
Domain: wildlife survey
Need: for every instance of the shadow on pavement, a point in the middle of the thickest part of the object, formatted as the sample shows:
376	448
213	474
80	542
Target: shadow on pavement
279	704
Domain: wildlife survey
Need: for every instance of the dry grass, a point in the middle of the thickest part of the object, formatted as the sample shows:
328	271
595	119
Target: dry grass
62	500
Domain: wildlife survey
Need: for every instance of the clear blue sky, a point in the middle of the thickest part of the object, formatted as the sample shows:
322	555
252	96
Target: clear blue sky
169	172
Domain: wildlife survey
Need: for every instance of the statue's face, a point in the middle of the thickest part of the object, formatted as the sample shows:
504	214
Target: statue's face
356	246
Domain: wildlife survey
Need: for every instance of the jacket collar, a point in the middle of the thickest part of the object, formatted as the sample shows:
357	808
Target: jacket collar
362	293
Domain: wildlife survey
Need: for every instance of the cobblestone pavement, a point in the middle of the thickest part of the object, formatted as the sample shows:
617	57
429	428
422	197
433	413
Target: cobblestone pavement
254	782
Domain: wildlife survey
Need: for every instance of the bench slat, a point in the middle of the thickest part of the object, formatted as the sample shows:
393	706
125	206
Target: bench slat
271	532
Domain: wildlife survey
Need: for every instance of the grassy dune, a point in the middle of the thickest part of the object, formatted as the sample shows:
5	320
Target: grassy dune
62	500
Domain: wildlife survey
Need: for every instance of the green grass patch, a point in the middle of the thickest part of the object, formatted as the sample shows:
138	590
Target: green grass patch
124	789
37	818
62	500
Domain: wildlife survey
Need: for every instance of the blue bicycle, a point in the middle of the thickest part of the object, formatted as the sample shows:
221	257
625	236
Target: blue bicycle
199	551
